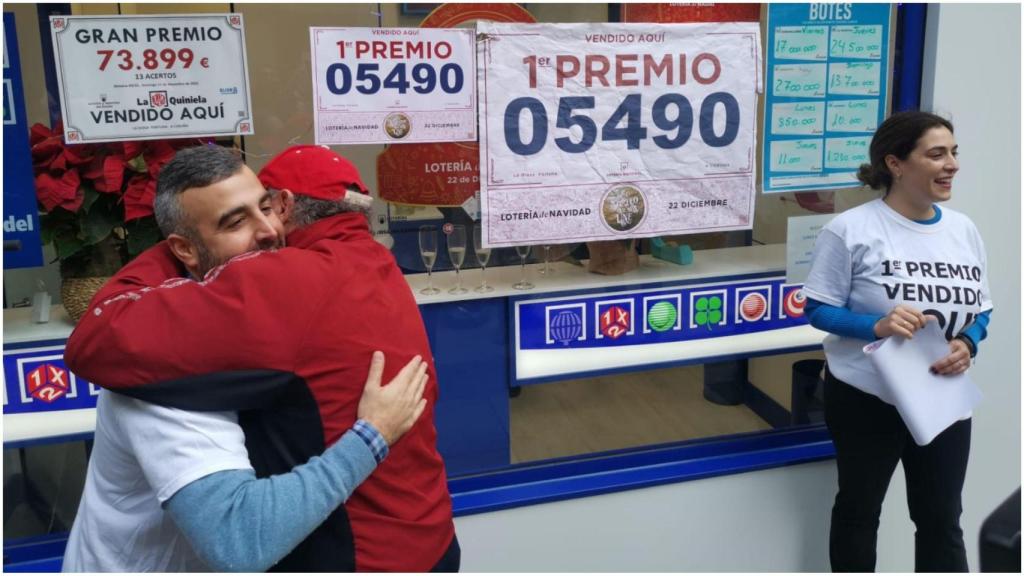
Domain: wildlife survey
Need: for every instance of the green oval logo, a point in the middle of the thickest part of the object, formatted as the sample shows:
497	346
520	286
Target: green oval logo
661	316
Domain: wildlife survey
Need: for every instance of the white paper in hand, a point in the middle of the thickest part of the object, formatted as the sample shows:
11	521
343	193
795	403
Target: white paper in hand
928	403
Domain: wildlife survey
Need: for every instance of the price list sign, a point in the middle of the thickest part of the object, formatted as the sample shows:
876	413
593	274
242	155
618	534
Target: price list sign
827	87
149	77
608	131
391	85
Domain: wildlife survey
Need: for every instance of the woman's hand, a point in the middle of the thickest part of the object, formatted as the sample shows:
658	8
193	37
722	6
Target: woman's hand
958	361
901	321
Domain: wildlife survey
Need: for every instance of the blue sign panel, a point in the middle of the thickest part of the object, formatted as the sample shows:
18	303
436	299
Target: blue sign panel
36	380
826	92
22	246
660	315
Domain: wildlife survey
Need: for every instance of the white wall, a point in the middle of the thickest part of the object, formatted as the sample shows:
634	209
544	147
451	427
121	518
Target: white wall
777	520
770	521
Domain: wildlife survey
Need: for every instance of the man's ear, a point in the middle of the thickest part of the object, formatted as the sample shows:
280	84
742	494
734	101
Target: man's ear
284	204
184	250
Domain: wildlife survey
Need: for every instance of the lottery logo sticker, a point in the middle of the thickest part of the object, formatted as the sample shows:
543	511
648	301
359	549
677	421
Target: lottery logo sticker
614	318
623	208
48	382
793	301
707	309
565	324
397	125
752	304
753	307
662	313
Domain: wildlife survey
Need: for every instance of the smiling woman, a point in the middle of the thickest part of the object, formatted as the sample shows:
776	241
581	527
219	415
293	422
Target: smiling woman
871	277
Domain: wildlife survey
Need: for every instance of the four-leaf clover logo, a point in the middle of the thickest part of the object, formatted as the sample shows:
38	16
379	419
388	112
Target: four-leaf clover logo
709	311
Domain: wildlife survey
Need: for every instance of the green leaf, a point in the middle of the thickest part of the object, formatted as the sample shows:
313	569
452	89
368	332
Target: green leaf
702	318
138	164
91	195
56	222
67	245
715	316
142	234
702	304
716	303
98	225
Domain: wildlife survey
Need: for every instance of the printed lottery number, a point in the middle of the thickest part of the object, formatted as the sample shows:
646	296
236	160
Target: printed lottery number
424	78
671	113
151	59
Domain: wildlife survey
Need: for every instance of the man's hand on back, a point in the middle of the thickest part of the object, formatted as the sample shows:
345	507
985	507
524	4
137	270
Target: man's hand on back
394	408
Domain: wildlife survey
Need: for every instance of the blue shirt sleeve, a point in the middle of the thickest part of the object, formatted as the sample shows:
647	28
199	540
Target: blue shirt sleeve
841	320
978	330
238	523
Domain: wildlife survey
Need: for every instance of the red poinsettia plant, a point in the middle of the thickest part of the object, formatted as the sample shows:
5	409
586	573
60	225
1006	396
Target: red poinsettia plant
97	199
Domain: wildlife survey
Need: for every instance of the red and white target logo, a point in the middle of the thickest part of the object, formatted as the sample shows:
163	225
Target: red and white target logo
793	303
48	382
753	307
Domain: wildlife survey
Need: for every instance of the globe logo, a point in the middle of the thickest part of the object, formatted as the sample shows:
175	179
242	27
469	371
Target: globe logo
565	326
662	316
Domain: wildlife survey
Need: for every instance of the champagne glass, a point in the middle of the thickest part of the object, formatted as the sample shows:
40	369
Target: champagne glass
457	254
547	257
483	255
523	252
428	251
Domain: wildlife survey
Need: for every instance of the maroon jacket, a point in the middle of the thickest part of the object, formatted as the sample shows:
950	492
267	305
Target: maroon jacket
286	337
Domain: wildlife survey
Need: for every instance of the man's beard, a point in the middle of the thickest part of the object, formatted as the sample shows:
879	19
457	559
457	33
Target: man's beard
207	261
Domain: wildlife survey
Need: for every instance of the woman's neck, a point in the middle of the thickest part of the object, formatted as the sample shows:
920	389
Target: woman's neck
909	207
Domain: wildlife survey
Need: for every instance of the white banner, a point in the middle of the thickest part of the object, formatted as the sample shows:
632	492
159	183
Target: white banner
607	131
149	77
387	85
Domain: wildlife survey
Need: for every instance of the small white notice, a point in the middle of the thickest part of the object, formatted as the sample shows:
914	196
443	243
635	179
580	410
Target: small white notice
928	403
801	232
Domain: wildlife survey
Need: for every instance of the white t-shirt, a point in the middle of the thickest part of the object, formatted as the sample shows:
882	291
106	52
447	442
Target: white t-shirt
143	454
871	258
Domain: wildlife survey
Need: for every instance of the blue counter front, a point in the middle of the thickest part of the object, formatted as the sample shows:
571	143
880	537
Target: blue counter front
729	304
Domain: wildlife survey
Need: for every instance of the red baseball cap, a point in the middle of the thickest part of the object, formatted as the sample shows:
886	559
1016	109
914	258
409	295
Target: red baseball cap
314	171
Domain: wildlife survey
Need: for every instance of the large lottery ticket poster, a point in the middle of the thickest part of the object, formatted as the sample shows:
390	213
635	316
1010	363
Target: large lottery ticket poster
826	93
606	131
392	85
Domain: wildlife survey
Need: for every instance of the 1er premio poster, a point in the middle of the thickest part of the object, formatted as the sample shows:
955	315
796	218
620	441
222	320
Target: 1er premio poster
608	131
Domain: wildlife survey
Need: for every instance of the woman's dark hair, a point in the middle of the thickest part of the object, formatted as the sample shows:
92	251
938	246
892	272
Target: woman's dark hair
898	136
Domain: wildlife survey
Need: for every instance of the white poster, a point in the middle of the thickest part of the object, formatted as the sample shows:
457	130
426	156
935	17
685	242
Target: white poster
388	85
607	131
149	77
801	233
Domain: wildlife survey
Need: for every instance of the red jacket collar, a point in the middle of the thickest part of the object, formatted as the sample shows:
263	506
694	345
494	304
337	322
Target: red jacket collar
338	227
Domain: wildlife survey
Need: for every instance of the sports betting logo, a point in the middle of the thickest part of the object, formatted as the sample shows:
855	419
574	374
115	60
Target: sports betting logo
615	321
48	382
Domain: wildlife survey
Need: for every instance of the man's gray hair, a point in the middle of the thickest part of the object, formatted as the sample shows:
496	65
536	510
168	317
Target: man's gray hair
194	167
308	210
